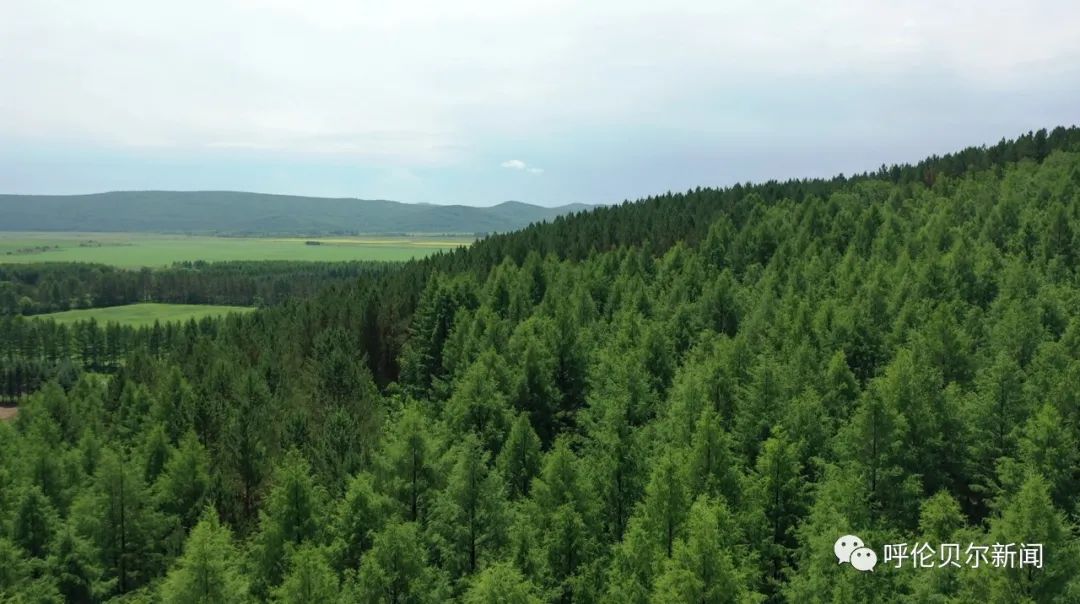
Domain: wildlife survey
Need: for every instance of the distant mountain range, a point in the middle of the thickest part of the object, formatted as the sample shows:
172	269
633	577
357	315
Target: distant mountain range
238	213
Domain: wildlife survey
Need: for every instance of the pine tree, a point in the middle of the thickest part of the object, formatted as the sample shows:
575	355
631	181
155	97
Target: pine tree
779	495
34	523
614	464
537	392
360	515
309	579
519	458
395	571
480	401
247	442
18	577
116	516
468	518
872	447
209	569
665	504
757	406
564	513
407	462
1048	446
1031	518
636	560
156	452
501	583
184	486
995	413
174	405
713	468
291	518
700	570
74	564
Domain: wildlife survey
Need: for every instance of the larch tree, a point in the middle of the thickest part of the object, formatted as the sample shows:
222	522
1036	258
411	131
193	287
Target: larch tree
209	570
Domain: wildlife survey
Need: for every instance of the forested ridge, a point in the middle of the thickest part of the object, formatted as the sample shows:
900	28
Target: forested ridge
683	399
243	213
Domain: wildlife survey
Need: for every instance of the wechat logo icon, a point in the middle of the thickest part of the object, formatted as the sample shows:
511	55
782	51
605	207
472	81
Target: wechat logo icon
851	549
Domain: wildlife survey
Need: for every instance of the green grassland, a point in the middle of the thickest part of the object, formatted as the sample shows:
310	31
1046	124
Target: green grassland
133	250
137	315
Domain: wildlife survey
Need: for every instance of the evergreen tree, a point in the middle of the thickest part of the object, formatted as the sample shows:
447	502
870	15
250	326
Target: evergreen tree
779	495
519	458
310	578
395	571
665	504
209	569
291	519
614	463
1031	518
468	518
700	570
712	468
115	515
183	488
74	564
34	522
1048	446
360	515
407	464
247	442
872	446
501	584
480	401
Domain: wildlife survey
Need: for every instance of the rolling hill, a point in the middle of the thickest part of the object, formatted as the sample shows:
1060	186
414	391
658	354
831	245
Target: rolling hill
239	213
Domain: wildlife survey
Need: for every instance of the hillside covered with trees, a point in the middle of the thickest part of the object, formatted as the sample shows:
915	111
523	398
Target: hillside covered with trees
242	213
682	399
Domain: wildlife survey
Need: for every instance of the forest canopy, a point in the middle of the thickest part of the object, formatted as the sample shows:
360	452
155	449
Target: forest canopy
682	399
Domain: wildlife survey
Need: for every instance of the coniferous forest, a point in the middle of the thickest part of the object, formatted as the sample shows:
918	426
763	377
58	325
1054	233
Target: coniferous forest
686	398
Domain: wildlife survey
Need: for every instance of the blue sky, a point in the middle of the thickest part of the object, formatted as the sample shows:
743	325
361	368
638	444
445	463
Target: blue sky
479	102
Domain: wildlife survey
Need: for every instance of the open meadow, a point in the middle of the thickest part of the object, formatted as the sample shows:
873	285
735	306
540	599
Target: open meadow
134	250
143	314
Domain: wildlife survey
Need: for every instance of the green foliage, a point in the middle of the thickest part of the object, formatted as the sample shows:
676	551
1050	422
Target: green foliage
116	516
360	515
291	518
33	524
74	564
468	523
183	487
209	569
688	398
519	458
407	462
701	570
395	570
501	584
310	578
480	401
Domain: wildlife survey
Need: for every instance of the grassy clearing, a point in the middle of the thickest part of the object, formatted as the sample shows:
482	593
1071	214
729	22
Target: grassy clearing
133	250
143	314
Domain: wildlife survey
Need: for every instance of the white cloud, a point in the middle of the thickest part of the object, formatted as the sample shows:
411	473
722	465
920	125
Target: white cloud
517	164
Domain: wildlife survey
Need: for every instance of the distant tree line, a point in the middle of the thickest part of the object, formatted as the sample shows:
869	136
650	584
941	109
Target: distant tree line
35	351
30	289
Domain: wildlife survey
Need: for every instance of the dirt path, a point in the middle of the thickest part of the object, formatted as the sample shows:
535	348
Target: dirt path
7	413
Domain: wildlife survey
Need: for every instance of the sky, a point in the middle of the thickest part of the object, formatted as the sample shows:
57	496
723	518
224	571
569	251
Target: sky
479	102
